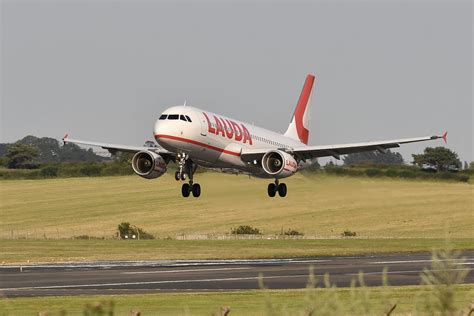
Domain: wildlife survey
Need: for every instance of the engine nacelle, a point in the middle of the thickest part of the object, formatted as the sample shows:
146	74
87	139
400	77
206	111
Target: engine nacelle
279	164
148	164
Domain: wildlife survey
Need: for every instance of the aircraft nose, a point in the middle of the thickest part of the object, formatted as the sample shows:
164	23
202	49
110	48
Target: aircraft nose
158	129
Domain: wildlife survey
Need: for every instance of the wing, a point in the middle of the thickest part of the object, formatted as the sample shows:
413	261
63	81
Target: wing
113	148
309	152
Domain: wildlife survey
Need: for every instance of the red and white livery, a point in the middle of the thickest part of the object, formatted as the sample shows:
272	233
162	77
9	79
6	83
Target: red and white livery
192	137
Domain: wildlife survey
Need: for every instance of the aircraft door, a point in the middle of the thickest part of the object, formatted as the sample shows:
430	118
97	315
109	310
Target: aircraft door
203	125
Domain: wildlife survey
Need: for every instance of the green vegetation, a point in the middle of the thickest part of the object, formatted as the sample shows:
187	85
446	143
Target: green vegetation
245	230
40	158
127	231
49	150
21	156
253	302
320	206
374	157
75	219
292	232
398	171
67	170
441	157
348	233
82	250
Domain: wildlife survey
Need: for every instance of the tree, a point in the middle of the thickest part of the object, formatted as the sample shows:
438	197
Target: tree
471	165
20	154
388	158
123	157
312	165
440	157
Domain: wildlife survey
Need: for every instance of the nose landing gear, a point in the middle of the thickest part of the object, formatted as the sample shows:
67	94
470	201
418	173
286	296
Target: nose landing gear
187	168
273	188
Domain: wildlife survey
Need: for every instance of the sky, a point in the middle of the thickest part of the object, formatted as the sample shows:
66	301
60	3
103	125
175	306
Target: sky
105	70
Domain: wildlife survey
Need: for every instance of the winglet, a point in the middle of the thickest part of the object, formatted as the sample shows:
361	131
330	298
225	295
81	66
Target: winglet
445	136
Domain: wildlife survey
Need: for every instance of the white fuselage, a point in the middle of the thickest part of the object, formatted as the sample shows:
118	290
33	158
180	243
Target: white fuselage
216	141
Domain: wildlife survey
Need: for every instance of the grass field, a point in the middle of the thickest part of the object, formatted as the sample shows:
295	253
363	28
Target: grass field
318	206
257	302
388	215
24	251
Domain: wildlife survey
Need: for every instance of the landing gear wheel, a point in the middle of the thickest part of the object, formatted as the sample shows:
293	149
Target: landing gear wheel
282	190
196	190
183	176
176	176
272	188
185	190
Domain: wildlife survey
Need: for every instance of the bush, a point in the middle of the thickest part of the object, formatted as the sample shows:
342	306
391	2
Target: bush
116	169
407	174
292	232
245	230
373	172
127	231
49	171
341	171
348	233
87	237
91	170
391	173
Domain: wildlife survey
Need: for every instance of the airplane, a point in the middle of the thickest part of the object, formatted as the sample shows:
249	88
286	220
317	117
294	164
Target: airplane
192	137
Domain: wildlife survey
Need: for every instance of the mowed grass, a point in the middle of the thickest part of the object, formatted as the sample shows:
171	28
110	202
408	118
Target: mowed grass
317	205
31	251
409	299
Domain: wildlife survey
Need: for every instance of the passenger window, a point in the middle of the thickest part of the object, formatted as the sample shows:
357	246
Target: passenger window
173	117
182	118
163	117
189	119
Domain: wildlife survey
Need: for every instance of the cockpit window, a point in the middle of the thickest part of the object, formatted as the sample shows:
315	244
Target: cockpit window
173	117
163	116
182	118
189	119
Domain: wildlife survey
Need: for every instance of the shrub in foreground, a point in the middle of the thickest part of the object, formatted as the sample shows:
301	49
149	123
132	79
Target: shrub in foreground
348	233
292	232
245	230
129	231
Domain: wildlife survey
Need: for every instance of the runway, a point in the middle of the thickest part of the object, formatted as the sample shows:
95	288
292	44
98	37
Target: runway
211	275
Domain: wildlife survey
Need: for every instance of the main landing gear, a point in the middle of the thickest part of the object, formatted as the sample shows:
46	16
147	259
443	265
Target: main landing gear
273	188
187	169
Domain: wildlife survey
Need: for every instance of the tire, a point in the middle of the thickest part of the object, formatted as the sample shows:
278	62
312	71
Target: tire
185	190
183	176
176	176
282	190
196	190
272	188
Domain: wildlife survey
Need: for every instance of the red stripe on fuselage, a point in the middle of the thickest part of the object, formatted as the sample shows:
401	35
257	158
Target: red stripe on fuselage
190	141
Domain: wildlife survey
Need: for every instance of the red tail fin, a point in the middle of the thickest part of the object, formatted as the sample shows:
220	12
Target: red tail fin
299	125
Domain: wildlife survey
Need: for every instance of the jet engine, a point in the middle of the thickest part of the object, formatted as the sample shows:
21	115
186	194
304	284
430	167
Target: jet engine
148	164
279	164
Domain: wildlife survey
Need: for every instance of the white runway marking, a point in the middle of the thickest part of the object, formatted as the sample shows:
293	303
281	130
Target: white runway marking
419	261
403	272
164	263
187	270
149	282
70	286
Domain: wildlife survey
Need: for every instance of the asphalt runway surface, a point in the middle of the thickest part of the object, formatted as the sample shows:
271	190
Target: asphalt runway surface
211	275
